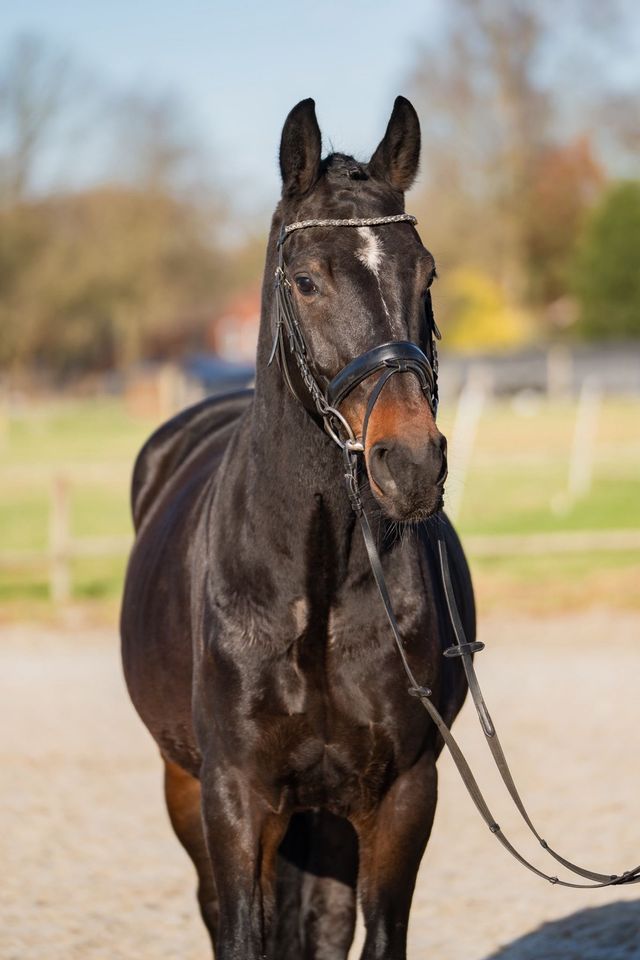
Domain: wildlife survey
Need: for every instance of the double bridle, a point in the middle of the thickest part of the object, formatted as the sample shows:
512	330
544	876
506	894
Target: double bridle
323	401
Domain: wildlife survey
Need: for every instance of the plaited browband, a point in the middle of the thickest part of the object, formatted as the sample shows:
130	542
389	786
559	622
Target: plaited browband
352	222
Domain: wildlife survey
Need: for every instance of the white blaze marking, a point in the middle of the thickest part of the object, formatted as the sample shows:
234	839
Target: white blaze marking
371	256
371	253
300	610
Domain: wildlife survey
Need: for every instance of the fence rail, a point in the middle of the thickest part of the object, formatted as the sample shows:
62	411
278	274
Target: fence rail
543	544
63	548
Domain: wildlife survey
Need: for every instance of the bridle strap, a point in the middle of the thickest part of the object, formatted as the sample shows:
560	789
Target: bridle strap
348	222
287	323
373	399
461	648
400	354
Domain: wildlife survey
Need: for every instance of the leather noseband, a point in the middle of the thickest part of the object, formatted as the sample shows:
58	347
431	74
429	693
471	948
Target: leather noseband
402	355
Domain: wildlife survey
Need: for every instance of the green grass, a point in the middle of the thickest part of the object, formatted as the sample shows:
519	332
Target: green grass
92	442
520	466
516	484
24	517
535	585
525	506
83	432
100	511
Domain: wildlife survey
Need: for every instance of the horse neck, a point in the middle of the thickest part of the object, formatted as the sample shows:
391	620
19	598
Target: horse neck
296	491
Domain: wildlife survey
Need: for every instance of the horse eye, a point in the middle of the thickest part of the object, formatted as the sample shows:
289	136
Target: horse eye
305	285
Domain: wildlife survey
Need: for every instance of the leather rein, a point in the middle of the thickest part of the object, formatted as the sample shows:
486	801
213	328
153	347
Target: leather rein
322	402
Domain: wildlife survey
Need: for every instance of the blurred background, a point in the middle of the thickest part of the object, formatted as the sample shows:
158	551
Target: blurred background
138	147
138	173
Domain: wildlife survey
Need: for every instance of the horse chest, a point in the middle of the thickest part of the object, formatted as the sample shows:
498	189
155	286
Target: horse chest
319	709
331	726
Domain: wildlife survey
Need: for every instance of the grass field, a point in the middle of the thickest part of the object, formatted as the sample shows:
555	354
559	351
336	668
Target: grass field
516	483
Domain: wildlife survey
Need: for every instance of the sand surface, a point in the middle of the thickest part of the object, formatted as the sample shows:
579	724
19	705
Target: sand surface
91	869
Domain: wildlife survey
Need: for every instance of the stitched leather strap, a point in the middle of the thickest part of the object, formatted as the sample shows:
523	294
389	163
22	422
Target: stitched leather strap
399	354
492	737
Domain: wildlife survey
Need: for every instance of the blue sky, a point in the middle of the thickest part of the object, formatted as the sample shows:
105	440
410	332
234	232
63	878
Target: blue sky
239	67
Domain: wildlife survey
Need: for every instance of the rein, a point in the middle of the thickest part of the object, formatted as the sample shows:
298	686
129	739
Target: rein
323	401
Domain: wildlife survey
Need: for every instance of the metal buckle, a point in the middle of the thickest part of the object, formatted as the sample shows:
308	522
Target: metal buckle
351	443
351	479
462	649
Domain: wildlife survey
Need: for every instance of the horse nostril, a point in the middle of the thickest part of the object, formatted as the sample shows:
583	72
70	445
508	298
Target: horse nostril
380	470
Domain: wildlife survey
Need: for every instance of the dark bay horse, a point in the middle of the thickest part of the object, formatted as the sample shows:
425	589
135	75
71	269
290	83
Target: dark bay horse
256	650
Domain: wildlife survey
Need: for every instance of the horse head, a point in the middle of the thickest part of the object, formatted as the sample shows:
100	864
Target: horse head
352	290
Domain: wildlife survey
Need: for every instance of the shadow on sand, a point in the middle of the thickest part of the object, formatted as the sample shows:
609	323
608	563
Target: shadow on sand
611	932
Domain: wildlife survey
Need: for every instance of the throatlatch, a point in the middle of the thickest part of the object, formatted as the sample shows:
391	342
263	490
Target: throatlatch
323	403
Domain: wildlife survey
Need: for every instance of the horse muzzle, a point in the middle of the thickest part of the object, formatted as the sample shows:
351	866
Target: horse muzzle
408	479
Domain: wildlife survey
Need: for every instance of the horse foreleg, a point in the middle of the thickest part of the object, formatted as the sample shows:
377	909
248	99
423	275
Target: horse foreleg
182	794
316	889
243	836
392	841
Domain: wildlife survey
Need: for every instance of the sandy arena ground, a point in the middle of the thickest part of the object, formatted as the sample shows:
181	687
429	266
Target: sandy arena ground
91	869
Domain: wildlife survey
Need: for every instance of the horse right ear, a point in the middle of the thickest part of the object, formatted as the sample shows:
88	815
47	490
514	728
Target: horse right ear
300	148
397	156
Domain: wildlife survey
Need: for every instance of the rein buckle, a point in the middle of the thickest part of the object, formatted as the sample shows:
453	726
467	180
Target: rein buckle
463	649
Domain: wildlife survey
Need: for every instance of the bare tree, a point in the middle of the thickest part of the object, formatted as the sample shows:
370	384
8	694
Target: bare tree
161	150
509	84
36	87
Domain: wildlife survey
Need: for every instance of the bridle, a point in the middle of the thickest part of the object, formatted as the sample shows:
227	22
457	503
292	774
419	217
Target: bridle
323	402
325	397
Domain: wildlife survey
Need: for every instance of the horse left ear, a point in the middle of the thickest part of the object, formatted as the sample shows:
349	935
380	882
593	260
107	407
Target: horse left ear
398	154
300	148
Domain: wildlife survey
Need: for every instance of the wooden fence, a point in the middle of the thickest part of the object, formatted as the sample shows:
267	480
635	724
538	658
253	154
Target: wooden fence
62	547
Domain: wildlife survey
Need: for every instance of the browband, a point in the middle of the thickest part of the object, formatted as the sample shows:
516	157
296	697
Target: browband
350	222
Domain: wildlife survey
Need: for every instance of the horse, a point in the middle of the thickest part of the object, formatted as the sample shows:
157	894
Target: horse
299	775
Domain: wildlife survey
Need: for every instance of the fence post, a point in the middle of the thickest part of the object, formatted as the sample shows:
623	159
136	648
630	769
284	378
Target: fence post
584	440
559	371
4	425
59	540
463	435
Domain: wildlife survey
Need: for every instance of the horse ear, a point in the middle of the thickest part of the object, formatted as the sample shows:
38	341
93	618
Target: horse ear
300	148
398	154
